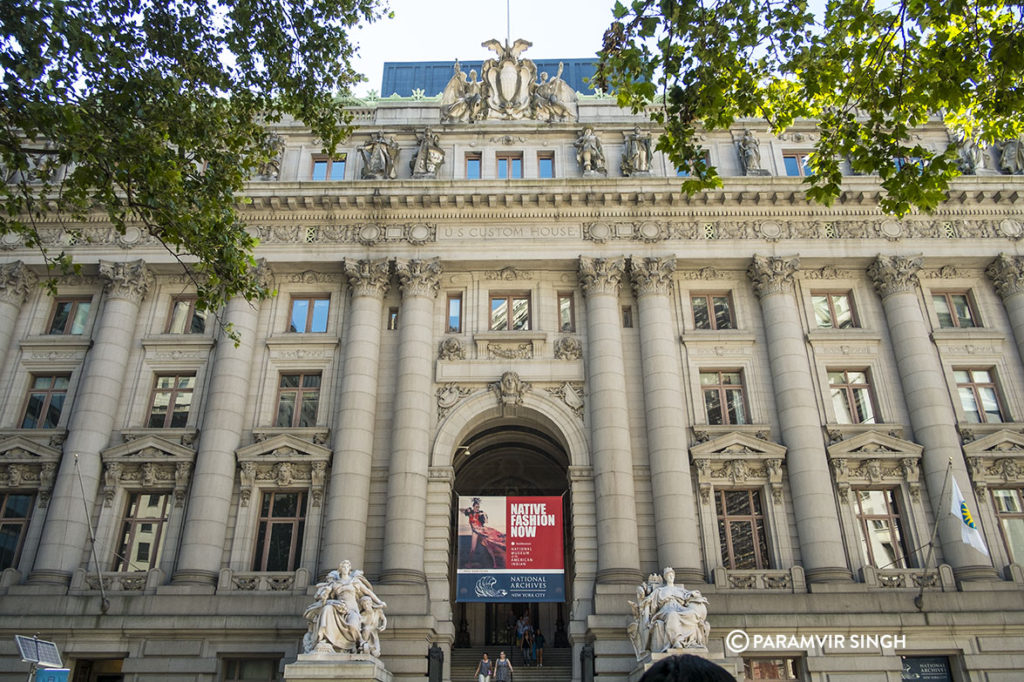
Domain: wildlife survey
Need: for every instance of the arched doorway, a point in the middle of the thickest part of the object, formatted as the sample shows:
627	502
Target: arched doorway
510	456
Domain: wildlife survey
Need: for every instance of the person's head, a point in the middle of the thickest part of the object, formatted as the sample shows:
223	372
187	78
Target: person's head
686	668
485	655
345	567
501	655
670	575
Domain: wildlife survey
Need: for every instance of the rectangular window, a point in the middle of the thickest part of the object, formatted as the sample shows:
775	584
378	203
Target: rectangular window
45	401
755	669
15	510
309	314
978	396
687	170
851	396
834	310
712	311
545	165
510	165
279	534
326	168
172	401
627	317
298	399
454	319
954	310
185	319
566	312
250	670
881	529
69	316
510	312
723	397
741	529
797	164
392	319
473	160
1009	506
142	532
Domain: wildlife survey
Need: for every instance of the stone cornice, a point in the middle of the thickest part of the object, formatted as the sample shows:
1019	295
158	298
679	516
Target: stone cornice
894	274
368	277
127	280
772	274
16	281
1007	274
652	275
419	277
601	275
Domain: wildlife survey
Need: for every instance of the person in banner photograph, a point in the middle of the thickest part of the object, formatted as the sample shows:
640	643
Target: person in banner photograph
486	544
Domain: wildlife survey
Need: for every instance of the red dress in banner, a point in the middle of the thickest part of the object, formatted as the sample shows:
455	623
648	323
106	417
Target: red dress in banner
491	539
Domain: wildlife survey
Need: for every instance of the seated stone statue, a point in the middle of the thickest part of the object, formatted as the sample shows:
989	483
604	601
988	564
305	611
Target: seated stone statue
668	616
346	616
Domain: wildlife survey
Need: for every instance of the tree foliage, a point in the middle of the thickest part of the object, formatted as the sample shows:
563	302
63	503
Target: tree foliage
869	74
154	113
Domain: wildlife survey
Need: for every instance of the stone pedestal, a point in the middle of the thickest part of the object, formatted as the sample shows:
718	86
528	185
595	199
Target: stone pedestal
350	667
650	659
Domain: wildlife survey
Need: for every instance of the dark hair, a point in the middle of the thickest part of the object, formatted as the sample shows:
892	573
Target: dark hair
686	668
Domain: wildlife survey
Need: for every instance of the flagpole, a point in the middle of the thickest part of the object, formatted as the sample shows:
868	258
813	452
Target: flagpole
919	599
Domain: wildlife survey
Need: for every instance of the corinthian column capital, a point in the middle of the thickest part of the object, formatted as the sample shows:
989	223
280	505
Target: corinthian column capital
652	275
772	274
419	277
127	280
1007	274
16	280
368	277
894	274
601	275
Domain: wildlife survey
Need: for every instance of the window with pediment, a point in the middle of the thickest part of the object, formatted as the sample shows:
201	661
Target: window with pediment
996	467
27	473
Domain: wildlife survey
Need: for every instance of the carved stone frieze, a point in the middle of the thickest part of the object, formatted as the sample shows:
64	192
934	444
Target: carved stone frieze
147	463
1007	274
568	348
507	351
311	277
508	273
601	275
995	460
738	459
648	231
16	281
368	277
570	393
284	460
827	272
448	396
873	458
127	280
652	275
451	348
368	234
894	274
510	389
704	273
27	465
772	275
418	277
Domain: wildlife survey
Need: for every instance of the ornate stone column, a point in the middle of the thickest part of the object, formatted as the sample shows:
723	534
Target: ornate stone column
1007	274
814	503
618	553
348	497
674	518
927	396
202	545
16	281
405	529
66	531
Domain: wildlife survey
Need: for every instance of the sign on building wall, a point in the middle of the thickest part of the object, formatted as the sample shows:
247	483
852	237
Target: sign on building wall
510	549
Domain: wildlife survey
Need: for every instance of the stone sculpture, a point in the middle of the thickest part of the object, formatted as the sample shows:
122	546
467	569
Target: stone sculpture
429	155
750	154
968	156
508	79
553	99
667	616
462	99
636	154
590	153
346	617
379	156
1011	156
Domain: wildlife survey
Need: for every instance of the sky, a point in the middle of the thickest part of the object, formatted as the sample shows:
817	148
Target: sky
436	30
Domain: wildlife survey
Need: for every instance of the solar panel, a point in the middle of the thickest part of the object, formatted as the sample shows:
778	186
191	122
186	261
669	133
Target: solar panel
38	651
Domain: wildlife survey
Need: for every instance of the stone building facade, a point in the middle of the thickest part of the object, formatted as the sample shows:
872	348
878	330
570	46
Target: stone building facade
766	395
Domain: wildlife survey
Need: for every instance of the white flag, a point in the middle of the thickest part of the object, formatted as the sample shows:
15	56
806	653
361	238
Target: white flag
969	531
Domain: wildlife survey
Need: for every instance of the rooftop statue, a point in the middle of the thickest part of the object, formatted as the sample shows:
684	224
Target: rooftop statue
667	616
553	99
462	99
346	617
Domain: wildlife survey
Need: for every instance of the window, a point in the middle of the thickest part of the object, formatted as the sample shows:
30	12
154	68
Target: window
510	312
723	397
771	669
901	161
545	165
280	530
250	670
142	532
392	319
627	317
834	310
45	401
741	529
185	319
954	310
851	396
298	398
15	509
309	314
881	529
326	168
566	312
712	311
454	320
1009	506
510	165
473	160
797	164
69	316
687	170
172	400
978	396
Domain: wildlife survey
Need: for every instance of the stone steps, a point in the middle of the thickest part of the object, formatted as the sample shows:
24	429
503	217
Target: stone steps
557	665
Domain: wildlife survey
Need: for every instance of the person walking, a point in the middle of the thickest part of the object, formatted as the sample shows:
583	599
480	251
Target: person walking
502	669
538	648
483	669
